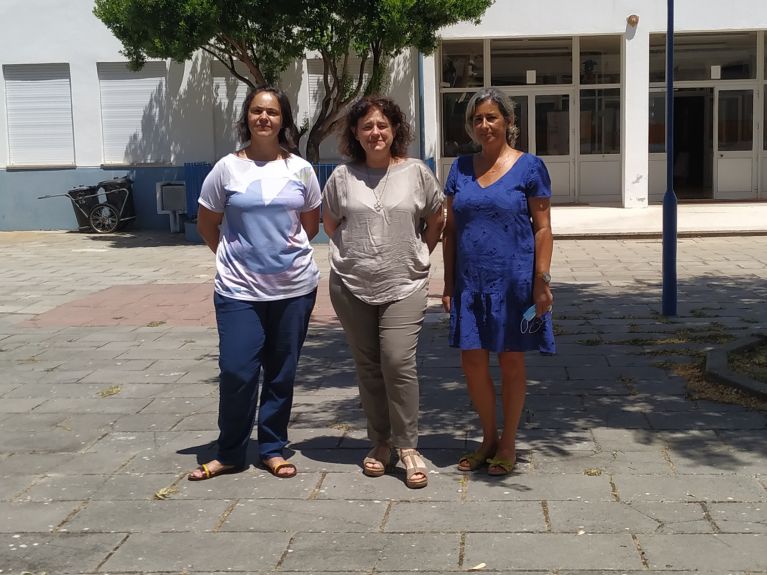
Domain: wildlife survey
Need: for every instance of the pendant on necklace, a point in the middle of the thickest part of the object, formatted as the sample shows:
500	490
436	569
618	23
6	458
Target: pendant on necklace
378	206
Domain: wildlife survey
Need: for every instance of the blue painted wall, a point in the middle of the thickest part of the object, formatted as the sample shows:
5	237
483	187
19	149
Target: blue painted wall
21	210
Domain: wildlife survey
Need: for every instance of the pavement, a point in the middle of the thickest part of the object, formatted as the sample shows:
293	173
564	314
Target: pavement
108	396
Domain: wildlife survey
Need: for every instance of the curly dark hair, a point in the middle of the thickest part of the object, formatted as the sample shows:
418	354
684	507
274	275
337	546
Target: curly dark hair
348	144
288	136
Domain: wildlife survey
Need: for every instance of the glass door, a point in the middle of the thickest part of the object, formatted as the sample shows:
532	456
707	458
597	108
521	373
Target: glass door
734	144
554	144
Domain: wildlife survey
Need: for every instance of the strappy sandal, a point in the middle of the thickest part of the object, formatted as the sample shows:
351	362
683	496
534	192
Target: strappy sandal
377	460
414	465
474	460
498	466
206	473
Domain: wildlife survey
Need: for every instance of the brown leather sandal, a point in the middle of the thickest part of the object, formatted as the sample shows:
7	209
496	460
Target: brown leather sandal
414	466
206	473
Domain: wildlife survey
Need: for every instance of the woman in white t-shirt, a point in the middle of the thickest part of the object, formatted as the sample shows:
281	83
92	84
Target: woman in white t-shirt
266	201
383	213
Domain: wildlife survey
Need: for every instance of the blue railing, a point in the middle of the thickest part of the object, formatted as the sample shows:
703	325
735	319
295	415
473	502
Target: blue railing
194	175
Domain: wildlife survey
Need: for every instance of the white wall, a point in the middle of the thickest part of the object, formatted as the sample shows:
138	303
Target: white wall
508	18
52	31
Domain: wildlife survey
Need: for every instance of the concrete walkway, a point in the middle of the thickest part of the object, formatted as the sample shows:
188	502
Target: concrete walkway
108	396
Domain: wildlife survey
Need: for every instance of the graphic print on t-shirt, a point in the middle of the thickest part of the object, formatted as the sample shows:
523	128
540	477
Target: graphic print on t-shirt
263	213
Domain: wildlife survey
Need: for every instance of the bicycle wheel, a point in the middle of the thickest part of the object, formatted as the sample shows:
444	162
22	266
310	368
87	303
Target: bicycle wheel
104	218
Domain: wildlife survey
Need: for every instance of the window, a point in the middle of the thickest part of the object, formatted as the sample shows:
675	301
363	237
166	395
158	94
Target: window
600	121
39	114
462	64
657	137
134	113
552	125
228	96
730	56
455	139
600	60
549	61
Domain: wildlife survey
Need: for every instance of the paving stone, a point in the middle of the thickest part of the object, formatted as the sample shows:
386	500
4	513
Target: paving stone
268	515
34	517
474	516
336	552
38	554
146	422
688	488
675	517
17	405
718	552
355	485
14	485
148	516
191	552
105	405
47	441
739	517
532	487
598	517
551	551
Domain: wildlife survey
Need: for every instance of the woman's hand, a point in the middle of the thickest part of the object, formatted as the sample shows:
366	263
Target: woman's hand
542	297
447	302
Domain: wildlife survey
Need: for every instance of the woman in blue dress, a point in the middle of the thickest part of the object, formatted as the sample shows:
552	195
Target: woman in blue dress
497	249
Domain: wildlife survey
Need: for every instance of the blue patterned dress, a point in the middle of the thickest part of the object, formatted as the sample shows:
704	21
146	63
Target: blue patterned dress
495	257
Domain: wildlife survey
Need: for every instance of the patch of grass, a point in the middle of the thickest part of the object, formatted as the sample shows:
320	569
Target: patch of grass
155	323
751	362
592	472
592	341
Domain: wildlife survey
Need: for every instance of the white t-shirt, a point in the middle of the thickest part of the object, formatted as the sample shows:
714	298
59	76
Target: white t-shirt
264	253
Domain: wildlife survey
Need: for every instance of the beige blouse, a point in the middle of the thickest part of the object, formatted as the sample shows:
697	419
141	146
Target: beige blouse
379	254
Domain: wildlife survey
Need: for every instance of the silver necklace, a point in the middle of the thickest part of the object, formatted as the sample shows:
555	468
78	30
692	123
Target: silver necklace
378	205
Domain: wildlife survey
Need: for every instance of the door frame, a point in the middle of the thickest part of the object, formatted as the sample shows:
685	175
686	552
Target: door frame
753	154
530	93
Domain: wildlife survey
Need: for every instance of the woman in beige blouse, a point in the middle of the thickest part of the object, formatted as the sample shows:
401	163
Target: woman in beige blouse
383	214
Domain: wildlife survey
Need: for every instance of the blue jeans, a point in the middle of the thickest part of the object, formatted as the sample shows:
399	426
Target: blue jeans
256	336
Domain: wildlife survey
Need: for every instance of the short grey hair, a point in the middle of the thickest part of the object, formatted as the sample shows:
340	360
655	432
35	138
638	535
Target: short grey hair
505	105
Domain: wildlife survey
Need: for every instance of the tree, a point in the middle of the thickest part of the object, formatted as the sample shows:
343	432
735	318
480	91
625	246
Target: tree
351	37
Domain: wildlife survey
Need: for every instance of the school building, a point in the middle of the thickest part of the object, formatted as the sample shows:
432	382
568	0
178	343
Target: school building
587	78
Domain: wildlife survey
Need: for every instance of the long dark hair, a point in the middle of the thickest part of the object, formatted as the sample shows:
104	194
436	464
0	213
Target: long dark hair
288	136
350	146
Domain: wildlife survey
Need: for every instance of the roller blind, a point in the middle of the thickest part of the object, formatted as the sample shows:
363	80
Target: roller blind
228	95
39	114
134	113
314	68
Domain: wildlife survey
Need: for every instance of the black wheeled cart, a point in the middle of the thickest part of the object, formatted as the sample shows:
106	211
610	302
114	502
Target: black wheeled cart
103	208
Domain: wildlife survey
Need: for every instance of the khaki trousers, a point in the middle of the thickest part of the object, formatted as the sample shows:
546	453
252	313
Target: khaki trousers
383	341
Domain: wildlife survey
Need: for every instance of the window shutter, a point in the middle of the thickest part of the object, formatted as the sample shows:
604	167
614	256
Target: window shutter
314	68
228	95
134	113
39	113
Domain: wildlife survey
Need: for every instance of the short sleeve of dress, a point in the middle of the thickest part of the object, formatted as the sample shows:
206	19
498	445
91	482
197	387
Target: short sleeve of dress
331	195
432	191
313	195
538	183
451	185
213	194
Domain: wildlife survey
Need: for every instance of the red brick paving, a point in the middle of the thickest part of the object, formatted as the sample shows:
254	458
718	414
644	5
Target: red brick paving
163	304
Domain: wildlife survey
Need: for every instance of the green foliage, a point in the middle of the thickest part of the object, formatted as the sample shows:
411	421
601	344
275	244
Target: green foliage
267	35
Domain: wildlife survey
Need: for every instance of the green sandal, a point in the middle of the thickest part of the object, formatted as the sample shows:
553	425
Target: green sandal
504	466
473	461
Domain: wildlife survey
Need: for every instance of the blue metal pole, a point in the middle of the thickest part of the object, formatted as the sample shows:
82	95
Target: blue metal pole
421	121
669	198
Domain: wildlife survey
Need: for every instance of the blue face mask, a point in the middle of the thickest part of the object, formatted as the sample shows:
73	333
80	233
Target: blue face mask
529	322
